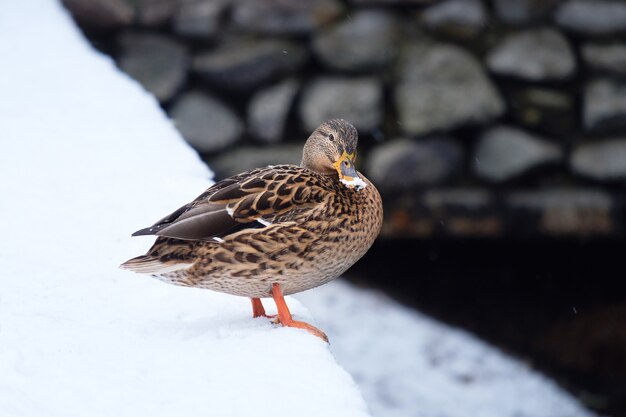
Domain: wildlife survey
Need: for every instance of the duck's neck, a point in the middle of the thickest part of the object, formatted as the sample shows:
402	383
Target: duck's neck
315	156
318	165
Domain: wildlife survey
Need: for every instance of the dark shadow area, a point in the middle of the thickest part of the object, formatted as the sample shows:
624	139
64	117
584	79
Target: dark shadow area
558	305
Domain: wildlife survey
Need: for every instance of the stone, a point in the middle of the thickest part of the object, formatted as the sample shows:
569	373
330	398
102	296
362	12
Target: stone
461	198
199	18
284	17
101	14
157	62
405	164
561	212
244	158
205	122
603	160
550	110
535	55
365	41
604	105
154	13
463	212
456	17
520	12
442	86
609	58
268	110
503	153
358	100
593	17
458	212
242	64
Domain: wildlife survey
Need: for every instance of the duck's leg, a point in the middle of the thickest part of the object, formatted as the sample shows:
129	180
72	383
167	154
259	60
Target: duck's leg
258	310
284	315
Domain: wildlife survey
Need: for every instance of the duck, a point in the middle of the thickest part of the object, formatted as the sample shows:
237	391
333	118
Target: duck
272	231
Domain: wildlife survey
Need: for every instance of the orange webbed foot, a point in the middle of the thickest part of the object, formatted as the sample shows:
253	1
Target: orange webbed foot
306	326
284	315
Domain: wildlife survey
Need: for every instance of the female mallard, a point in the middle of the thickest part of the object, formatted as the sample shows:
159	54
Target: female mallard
272	231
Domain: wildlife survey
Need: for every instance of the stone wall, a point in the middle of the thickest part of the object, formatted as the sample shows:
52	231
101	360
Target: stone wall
477	118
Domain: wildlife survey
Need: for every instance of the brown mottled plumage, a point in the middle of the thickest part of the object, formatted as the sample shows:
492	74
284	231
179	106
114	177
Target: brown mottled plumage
274	230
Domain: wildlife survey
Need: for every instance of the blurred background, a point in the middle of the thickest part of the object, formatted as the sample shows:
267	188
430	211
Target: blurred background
494	129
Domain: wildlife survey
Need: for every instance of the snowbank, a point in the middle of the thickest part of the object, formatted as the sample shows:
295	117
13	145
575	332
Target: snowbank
87	158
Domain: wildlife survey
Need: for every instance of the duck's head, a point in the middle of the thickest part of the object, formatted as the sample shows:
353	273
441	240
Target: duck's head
331	149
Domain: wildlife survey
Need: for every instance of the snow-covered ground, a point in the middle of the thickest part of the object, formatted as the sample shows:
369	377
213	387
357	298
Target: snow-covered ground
87	158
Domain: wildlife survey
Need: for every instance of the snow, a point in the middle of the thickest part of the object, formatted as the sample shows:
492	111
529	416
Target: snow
407	364
354	182
87	158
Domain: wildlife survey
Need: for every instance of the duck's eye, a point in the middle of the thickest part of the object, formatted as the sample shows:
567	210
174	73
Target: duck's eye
331	137
345	163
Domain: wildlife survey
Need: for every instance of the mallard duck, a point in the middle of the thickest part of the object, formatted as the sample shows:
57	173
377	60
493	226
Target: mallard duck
272	231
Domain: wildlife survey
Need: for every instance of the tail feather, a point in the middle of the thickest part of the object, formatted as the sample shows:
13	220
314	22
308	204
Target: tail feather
146	264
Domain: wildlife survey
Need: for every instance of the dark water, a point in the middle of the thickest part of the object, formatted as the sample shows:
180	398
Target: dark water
559	305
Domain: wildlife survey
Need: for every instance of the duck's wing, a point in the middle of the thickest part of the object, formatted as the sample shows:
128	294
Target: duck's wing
249	200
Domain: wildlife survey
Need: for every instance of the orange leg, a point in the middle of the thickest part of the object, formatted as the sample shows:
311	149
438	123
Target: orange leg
258	310
284	315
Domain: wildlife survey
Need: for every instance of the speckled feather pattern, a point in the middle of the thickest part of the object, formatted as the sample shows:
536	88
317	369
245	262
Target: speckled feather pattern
327	228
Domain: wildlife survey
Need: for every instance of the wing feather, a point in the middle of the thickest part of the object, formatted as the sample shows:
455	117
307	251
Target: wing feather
250	200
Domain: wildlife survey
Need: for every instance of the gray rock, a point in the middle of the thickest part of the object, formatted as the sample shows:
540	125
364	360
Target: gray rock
604	160
158	63
604	106
268	111
559	197
405	164
242	64
199	18
280	17
456	17
593	17
358	100
459	212
503	153
366	40
464	198
101	14
561	211
442	86
245	158
519	12
205	122
536	55
605	58
463	212
155	12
